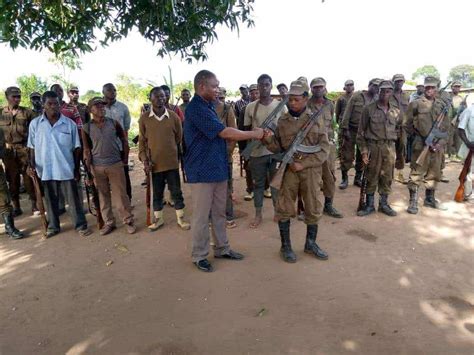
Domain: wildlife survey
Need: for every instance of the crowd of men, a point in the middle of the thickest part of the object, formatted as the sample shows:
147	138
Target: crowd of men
295	137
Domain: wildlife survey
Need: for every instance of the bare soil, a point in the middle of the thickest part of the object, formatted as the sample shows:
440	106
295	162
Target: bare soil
400	285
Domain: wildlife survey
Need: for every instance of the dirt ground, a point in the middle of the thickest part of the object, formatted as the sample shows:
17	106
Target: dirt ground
402	285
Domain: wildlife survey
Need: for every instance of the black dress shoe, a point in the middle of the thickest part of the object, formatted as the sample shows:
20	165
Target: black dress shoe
204	265
231	255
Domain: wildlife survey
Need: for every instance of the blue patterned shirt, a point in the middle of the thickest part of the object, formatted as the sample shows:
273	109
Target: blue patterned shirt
206	153
54	147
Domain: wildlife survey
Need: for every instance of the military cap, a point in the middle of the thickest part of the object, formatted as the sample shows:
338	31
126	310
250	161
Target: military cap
304	81
12	90
375	81
318	82
386	84
456	83
253	87
398	77
431	81
349	82
94	101
280	85
222	91
73	88
243	86
35	94
298	88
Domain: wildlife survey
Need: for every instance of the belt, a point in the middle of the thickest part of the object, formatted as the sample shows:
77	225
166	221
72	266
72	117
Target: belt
380	141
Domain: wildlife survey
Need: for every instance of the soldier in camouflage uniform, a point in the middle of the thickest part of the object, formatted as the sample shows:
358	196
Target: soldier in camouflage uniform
454	141
377	134
319	102
349	127
5	205
421	115
341	104
14	122
303	175
400	99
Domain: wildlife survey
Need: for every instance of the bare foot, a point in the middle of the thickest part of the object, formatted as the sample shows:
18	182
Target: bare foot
256	222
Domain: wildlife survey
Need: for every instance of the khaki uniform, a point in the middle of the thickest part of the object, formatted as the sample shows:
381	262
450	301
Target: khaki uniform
15	130
307	181
350	121
83	112
454	141
329	166
5	202
227	117
341	104
419	120
378	131
400	101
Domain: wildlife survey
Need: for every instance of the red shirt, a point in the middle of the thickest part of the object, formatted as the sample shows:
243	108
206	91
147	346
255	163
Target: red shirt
71	112
176	110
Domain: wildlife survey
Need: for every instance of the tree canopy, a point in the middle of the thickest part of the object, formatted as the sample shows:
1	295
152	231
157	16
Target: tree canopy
424	71
177	26
463	73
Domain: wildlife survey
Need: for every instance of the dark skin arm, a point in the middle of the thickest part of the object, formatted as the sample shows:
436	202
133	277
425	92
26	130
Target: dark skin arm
31	170
463	136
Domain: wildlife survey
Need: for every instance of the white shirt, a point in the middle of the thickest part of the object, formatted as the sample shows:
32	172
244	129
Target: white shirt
159	118
466	122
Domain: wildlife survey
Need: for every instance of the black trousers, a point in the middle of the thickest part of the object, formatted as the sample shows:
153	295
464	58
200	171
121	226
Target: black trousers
170	177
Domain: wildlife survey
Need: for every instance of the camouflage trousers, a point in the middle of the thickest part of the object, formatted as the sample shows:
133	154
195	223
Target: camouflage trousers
16	162
5	202
430	171
308	183
349	149
454	141
380	169
329	173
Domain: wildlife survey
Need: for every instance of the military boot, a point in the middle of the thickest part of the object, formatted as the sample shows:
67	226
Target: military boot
180	220
358	179
369	206
286	252
310	247
17	211
345	180
10	226
159	221
384	207
330	210
430	200
413	204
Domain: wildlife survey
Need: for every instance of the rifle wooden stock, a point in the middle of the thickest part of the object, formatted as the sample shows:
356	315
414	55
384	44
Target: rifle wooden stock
148	191
40	204
459	196
423	155
277	179
92	190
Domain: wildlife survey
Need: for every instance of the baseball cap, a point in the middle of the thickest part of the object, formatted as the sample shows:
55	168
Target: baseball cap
318	82
94	101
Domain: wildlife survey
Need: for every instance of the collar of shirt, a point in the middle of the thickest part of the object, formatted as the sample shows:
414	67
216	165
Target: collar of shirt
159	118
62	119
201	101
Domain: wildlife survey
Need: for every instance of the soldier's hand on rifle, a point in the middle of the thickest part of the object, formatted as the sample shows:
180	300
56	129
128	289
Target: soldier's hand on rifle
295	167
258	133
365	158
77	175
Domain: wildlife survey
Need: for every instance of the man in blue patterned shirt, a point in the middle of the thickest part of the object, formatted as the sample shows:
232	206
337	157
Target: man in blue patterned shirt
206	168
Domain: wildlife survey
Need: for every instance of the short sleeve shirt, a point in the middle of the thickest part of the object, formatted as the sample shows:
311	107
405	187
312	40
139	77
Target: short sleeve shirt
54	147
206	153
466	122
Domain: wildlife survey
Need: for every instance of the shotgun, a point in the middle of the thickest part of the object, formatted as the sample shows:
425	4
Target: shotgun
363	187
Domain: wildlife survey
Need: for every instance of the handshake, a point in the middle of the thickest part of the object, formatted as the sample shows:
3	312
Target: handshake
259	133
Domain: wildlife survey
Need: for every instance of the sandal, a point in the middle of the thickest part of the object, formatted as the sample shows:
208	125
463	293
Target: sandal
230	224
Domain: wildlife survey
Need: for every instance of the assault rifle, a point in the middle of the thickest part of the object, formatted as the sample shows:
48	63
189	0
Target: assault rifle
459	196
267	124
91	190
297	146
363	187
40	204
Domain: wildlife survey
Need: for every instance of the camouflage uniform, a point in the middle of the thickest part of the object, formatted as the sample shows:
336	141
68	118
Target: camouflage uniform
419	120
401	101
15	129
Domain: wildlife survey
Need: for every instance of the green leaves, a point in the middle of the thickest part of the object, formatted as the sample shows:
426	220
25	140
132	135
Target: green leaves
177	26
